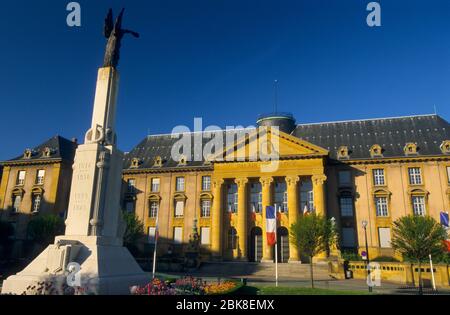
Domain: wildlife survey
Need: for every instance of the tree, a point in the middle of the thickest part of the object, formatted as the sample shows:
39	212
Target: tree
6	232
43	229
312	234
417	237
134	231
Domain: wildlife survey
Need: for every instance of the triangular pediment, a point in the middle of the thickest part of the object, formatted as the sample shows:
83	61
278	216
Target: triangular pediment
264	141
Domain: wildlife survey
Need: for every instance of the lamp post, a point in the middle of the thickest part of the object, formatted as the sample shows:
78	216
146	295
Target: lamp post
364	224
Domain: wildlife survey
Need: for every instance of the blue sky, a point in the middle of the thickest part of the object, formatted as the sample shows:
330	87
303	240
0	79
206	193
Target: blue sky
217	59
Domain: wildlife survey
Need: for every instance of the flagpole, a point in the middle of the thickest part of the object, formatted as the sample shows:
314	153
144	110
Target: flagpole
156	245
276	247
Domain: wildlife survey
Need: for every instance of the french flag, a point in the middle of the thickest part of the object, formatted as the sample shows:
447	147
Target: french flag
271	226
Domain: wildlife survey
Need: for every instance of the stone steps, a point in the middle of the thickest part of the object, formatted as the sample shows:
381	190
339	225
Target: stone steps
262	270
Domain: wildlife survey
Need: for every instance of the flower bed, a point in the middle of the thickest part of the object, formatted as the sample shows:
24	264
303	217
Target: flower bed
186	286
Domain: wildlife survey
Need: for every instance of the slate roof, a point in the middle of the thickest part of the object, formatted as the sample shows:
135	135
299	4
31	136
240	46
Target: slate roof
62	149
427	131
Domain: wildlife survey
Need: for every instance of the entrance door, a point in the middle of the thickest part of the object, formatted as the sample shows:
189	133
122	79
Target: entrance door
255	248
283	244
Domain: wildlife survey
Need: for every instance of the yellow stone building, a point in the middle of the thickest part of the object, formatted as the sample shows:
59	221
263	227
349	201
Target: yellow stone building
374	170
34	183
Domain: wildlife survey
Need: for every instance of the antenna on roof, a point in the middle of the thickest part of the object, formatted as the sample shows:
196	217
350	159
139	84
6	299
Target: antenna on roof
435	110
275	104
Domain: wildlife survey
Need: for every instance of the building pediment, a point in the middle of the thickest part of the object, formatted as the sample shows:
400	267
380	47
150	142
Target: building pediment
268	144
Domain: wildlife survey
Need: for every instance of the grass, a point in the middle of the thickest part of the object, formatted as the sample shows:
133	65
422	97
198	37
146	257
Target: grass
263	290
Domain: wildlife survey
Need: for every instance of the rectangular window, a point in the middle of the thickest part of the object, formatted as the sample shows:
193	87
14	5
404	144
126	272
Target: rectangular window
154	208
281	197
152	235
348	237
381	204
179	184
206	208
256	197
448	174
36	203
346	204
206	183
385	237
345	178
21	178
177	235
131	185
415	177
306	195
204	235
155	184
16	203
232	198
40	177
179	208
418	203
378	177
129	206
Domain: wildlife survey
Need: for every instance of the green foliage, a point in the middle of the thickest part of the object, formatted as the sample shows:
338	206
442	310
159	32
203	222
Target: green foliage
43	229
313	234
134	230
351	256
384	259
416	237
6	231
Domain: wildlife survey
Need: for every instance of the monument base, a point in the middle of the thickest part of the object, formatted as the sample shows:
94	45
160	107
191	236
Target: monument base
104	268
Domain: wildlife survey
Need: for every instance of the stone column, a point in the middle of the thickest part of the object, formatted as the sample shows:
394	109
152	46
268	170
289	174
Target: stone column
242	217
292	192
266	185
216	219
319	194
319	205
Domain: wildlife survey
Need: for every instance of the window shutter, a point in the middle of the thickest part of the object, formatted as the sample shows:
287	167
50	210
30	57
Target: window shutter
385	237
178	235
205	232
179	208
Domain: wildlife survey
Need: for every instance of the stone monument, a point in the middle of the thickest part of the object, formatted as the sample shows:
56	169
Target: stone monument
93	240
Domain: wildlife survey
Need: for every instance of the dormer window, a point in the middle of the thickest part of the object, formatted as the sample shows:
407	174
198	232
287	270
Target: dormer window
410	149
376	151
445	147
157	162
135	163
343	152
48	152
28	154
183	160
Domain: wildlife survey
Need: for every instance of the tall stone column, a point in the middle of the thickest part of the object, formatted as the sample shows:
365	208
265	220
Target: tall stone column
319	205
319	193
242	217
217	219
266	185
292	192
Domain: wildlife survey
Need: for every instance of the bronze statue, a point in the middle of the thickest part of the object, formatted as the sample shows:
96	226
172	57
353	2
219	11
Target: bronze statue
114	33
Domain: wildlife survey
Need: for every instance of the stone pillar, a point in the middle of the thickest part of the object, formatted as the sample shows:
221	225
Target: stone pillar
319	205
217	219
266	185
292	192
319	194
242	217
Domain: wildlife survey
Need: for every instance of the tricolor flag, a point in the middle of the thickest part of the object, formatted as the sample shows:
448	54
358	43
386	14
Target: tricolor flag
447	245
230	213
253	214
271	226
305	209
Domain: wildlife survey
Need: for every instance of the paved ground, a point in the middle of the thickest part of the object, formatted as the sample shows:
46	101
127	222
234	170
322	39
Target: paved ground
342	285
